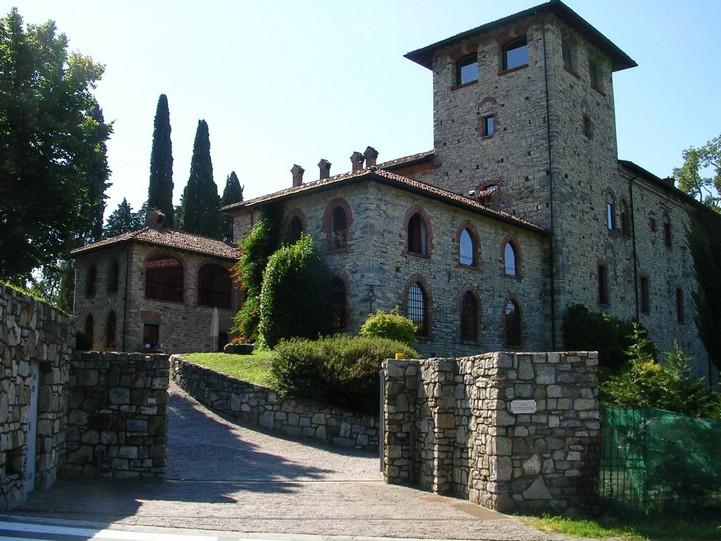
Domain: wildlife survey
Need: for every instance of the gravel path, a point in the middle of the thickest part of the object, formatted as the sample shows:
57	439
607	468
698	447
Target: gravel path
234	479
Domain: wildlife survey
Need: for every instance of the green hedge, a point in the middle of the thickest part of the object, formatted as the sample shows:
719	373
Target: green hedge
340	370
390	325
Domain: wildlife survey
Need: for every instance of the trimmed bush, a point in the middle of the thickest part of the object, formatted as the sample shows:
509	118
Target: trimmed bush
340	370
389	325
294	299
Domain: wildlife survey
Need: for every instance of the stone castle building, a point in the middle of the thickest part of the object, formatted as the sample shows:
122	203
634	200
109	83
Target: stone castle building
521	210
155	289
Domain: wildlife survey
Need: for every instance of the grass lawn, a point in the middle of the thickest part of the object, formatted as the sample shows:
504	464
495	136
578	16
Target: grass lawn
253	368
628	530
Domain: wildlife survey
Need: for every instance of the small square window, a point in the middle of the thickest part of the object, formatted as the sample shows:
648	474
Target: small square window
515	54
488	126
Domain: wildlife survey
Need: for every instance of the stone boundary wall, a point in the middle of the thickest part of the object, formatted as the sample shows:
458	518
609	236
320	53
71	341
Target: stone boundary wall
516	432
31	332
260	406
118	416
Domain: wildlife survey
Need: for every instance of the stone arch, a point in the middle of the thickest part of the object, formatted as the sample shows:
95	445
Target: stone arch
426	246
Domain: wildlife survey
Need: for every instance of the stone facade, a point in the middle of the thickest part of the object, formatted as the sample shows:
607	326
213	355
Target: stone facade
259	406
182	326
515	432
117	416
35	348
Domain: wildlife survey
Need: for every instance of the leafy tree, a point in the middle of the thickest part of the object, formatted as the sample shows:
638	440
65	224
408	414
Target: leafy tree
704	240
53	172
160	188
691	175
233	193
122	220
294	299
200	201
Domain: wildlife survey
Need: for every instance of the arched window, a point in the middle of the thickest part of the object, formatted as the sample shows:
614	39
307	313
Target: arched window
295	229
89	330
338	228
90	281
625	219
214	286
466	248
510	265
513	324
417	308
467	70
666	230
164	279
610	212
338	304
469	317
113	274
417	235
110	325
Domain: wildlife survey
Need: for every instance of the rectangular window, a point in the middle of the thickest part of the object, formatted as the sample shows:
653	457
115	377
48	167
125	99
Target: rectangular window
488	126
467	70
667	233
645	296
603	285
151	337
515	54
680	312
587	127
567	50
595	75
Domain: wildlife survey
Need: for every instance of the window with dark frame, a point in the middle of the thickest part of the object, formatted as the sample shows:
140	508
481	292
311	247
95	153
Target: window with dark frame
337	304
509	259
417	235
214	286
110	326
587	126
594	72
467	70
469	317
567	52
680	309
417	308
91	281
610	212
603	294
338	228
625	219
667	231
466	248
512	316
113	277
164	279
645	306
515	54
295	229
151	337
488	126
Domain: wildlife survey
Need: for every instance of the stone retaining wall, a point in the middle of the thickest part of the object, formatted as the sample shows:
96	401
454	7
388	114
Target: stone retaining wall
118	415
256	405
511	431
33	335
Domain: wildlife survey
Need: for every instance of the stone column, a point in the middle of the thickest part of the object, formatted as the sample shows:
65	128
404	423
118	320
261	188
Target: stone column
401	385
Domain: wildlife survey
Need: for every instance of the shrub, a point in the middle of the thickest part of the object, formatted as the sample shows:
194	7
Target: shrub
611	337
294	299
389	325
340	370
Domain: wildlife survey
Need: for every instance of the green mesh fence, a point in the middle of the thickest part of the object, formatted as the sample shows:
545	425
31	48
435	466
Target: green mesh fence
655	461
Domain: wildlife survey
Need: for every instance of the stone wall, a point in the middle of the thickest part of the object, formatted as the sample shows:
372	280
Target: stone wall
514	432
260	406
34	338
117	416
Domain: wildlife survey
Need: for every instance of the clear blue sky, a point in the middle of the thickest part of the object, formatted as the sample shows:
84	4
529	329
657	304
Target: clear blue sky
288	82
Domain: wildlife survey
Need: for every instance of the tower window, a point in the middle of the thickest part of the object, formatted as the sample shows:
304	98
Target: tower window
467	70
610	212
594	72
645	296
667	231
603	296
488	126
515	54
567	51
469	317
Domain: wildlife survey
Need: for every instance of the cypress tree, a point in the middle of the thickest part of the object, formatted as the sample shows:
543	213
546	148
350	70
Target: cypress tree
233	193
200	201
160	188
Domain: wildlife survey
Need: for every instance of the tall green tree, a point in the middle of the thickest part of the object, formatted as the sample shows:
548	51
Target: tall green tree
233	193
700	174
160	188
123	219
200	201
53	172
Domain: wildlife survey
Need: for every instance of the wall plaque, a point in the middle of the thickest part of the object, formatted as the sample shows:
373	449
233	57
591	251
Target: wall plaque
523	406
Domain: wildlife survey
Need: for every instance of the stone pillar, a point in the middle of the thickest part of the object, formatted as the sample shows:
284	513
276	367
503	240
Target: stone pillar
441	404
400	390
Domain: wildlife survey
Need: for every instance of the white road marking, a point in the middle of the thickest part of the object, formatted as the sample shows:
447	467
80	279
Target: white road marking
123	535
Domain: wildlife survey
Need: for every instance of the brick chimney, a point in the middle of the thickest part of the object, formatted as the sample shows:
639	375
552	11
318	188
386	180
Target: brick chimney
324	166
155	219
356	160
297	172
371	155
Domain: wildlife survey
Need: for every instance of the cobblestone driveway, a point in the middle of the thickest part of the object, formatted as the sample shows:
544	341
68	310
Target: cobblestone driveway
225	477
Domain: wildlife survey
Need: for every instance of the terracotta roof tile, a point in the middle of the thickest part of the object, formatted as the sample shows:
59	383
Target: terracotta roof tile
169	238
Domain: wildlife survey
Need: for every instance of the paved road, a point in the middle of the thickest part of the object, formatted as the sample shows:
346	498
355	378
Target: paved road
233	479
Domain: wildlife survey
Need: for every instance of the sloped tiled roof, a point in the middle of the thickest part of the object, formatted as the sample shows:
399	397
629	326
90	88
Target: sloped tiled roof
392	179
407	160
169	238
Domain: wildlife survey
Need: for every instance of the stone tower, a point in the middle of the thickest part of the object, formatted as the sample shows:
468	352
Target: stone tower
525	104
